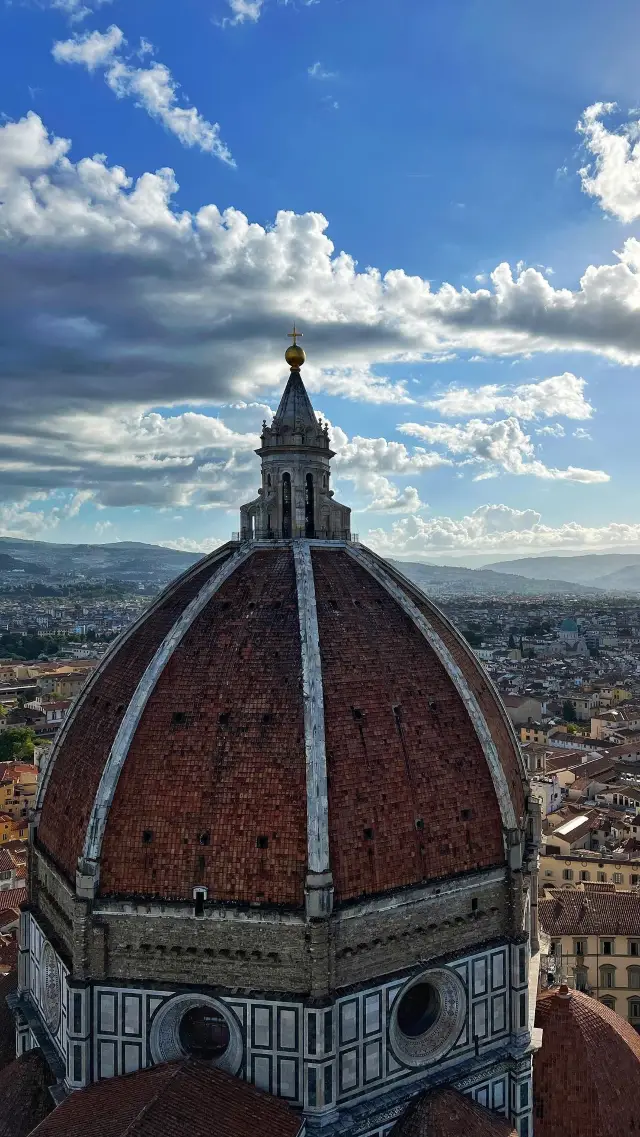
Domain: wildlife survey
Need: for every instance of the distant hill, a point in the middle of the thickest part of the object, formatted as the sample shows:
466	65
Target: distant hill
120	560
12	564
440	578
610	571
134	561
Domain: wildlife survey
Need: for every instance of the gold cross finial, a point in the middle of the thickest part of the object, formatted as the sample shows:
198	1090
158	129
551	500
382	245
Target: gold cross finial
294	335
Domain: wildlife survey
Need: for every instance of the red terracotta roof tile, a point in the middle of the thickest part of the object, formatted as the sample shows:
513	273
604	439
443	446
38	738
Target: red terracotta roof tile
446	1112
213	789
590	912
24	1094
12	898
410	793
482	687
234	770
183	1099
78	767
586	1077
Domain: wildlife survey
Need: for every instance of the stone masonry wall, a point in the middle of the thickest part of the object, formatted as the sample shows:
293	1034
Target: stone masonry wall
384	941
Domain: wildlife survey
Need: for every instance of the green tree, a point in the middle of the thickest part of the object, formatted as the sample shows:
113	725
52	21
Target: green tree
16	744
568	711
474	639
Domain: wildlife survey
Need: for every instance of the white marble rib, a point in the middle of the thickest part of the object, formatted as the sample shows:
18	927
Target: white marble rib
316	758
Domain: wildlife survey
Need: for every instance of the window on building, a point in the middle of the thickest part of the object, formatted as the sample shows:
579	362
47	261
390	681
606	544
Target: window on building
548	872
5	875
608	1001
634	876
582	980
580	947
567	874
602	876
607	977
634	947
607	947
634	978
618	878
634	1010
556	948
584	875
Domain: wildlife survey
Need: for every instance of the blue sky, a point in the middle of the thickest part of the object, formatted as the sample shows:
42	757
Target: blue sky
363	168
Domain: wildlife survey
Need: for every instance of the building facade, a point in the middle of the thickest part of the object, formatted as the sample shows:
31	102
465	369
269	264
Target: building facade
595	944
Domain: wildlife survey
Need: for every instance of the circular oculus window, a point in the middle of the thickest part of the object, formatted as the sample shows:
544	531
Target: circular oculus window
50	987
427	1017
199	1027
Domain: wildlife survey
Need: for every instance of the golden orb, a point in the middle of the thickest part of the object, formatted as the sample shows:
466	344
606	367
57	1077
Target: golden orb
295	356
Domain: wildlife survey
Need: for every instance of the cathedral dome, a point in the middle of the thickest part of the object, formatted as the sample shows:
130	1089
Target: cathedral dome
587	1073
287	714
286	830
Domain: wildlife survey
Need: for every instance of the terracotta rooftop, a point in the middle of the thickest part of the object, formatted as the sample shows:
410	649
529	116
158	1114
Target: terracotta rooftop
447	1113
24	1094
180	1099
586	1077
590	913
213	785
518	700
12	898
563	760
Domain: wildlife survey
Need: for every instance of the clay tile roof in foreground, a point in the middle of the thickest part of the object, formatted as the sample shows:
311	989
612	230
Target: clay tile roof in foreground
586	1077
24	1094
179	1099
448	1113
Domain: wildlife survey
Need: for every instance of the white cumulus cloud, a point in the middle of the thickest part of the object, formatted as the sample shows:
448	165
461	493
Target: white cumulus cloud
317	71
613	177
242	10
497	445
500	528
115	301
370	463
77	9
94	49
153	88
190	545
545	398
